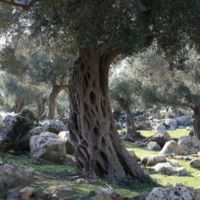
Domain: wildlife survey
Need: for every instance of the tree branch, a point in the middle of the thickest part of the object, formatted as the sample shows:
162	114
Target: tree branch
22	5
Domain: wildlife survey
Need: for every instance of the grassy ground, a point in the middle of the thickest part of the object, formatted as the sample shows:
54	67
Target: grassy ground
51	174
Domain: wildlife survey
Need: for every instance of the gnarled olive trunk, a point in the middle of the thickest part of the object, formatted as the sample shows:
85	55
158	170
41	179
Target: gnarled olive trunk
41	106
98	148
196	122
52	100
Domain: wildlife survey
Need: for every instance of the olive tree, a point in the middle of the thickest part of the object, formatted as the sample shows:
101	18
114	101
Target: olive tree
102	31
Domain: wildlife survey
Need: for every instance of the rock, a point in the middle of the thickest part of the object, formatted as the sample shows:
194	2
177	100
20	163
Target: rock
171	123
170	147
25	140
26	193
184	120
152	160
4	139
12	175
174	193
188	145
160	128
53	126
48	146
64	135
153	146
21	125
13	194
60	192
161	138
107	194
195	163
169	168
9	119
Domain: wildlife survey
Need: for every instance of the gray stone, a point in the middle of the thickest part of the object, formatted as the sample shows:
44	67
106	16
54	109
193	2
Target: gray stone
189	145
152	160
184	120
174	193
64	135
160	128
169	168
195	163
153	146
13	175
53	126
161	138
60	192
170	147
48	146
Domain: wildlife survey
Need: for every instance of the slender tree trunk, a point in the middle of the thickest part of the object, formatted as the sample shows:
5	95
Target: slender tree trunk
52	100
131	128
41	106
98	148
196	122
19	105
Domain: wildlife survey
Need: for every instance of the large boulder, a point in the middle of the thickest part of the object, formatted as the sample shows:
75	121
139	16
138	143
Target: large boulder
53	126
169	168
19	126
48	146
189	145
184	120
25	140
170	147
171	124
195	163
160	128
4	139
60	192
161	138
13	175
65	136
152	160
153	146
9	119
174	193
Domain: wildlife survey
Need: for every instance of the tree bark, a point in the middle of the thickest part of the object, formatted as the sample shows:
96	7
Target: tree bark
41	106
196	122
52	100
98	149
131	133
131	128
19	105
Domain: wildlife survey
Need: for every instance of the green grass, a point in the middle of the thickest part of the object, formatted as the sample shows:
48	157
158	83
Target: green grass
192	180
49	173
174	134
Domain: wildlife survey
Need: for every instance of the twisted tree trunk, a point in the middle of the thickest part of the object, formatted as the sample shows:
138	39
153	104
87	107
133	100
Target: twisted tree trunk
52	100
196	122
98	148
